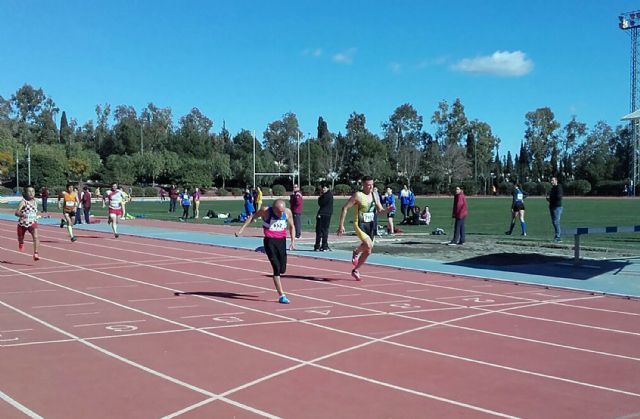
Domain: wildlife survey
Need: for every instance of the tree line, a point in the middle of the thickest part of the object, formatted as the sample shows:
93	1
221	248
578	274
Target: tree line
147	147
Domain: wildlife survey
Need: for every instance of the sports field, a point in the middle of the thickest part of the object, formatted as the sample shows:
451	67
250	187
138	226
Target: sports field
487	221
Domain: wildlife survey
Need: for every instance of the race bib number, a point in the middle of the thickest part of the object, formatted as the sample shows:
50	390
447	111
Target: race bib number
70	203
520	197
278	225
31	217
367	217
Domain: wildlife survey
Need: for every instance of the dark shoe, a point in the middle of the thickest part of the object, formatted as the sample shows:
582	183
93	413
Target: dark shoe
74	238
117	235
508	233
62	223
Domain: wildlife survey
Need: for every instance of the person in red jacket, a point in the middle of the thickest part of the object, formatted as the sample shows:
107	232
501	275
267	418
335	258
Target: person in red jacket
459	213
295	202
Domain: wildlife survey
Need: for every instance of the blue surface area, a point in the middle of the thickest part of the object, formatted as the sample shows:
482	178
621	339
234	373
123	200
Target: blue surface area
610	276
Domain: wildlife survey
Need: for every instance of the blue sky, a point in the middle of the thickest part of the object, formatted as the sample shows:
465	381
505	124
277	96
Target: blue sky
250	62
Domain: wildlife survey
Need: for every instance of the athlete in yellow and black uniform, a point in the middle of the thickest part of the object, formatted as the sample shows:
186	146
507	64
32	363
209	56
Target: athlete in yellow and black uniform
367	204
70	200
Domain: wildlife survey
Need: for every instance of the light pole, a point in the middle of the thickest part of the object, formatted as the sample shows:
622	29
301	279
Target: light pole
17	172
29	163
309	155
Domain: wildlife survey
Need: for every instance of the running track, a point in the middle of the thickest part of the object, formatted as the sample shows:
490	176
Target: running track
95	329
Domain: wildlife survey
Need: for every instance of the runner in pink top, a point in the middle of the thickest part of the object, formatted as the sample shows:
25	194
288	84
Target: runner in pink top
277	219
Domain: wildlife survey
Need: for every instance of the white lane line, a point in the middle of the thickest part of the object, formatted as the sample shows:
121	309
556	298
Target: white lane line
303	308
107	323
386	302
82	314
19	406
66	305
348	295
458	296
177	307
152	299
186	282
15	330
110	286
212	315
25	292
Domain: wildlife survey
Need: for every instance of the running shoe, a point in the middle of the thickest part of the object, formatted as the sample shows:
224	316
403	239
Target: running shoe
74	238
354	258
117	235
356	275
36	257
21	247
283	299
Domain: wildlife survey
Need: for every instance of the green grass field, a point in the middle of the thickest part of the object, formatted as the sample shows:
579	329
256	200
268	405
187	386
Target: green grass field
488	217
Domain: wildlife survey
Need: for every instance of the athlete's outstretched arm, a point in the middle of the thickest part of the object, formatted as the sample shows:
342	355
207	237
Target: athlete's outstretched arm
262	212
343	214
18	212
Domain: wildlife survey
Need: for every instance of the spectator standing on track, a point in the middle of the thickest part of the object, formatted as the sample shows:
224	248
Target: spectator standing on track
185	201
555	207
196	203
27	214
44	195
323	219
86	203
517	210
366	204
276	220
459	213
115	199
173	198
70	199
296	202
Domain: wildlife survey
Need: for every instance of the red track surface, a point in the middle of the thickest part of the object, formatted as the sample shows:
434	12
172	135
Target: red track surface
94	330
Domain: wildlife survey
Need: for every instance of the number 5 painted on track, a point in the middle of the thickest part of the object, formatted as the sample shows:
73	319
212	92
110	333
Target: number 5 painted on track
404	305
478	300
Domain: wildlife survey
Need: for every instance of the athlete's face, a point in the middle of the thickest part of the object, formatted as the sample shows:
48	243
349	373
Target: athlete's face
367	187
69	188
29	193
114	187
278	208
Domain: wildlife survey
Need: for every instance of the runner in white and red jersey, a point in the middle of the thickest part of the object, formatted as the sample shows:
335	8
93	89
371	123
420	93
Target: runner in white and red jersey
27	214
115	199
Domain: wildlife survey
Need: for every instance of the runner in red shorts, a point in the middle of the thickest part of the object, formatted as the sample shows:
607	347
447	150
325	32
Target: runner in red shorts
115	198
27	214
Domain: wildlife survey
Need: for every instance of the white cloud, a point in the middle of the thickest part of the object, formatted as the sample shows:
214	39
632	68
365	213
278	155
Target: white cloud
500	63
395	67
312	52
345	57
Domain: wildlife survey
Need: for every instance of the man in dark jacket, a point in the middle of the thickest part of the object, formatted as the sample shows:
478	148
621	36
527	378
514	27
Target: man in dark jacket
323	219
555	207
